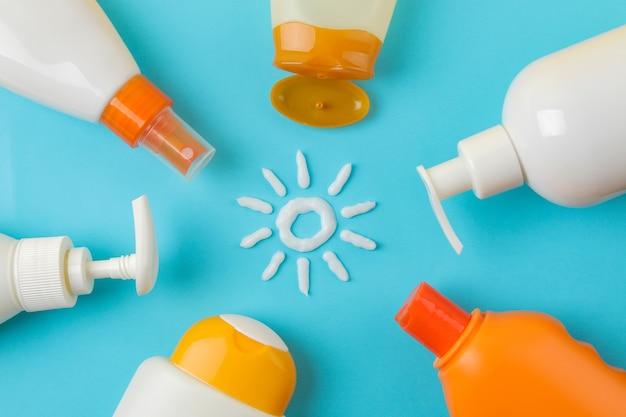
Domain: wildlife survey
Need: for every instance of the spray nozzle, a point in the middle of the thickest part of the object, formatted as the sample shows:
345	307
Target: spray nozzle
143	265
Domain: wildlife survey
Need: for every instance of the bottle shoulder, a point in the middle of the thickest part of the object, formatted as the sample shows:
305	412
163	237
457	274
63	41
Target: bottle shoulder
564	115
521	361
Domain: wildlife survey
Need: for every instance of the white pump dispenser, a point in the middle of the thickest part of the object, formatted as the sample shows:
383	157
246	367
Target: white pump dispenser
49	273
563	133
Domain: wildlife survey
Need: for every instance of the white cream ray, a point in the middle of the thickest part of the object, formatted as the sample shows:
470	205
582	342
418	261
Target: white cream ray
336	266
275	263
304	178
358	209
304	283
255	204
275	182
340	181
357	240
252	239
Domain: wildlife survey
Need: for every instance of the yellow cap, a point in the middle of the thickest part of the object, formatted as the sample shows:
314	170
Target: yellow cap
245	360
320	102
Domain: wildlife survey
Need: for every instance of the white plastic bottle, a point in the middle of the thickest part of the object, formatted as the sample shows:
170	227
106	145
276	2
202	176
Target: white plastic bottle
226	366
67	55
563	133
49	273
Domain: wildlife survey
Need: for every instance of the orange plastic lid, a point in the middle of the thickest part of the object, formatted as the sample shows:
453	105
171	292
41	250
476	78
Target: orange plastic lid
318	52
433	320
133	108
320	102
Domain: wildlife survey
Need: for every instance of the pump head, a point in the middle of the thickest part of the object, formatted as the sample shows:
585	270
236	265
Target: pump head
487	164
143	265
50	273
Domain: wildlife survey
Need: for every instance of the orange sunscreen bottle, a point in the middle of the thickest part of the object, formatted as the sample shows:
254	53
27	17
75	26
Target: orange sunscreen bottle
516	364
327	43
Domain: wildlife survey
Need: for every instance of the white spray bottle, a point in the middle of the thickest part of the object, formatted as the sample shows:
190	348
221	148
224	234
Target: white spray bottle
67	55
49	273
563	133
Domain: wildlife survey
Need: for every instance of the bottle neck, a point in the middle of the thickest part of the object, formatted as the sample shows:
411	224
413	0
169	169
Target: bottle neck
487	164
472	327
451	178
433	320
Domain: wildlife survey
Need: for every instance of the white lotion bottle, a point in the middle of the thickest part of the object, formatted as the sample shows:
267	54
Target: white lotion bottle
224	366
67	55
49	273
563	133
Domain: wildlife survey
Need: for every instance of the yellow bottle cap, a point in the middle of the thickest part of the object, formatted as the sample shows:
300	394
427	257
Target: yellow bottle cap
242	358
320	102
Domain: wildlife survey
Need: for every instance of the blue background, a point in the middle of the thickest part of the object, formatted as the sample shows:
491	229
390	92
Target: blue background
442	76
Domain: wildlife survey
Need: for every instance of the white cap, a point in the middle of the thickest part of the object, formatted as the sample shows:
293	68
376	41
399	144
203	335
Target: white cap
255	330
50	274
487	164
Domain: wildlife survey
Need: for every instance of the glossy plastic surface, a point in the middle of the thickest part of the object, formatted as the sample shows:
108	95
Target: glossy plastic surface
526	364
433	319
441	75
65	54
320	103
347	54
565	115
256	374
133	108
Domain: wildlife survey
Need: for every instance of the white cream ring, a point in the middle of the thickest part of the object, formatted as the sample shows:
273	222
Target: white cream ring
298	206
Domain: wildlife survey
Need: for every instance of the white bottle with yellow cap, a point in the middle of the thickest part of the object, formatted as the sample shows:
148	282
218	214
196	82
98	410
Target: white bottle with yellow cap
226	366
48	273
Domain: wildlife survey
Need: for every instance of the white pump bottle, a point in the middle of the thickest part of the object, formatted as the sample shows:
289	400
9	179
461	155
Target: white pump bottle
563	133
49	273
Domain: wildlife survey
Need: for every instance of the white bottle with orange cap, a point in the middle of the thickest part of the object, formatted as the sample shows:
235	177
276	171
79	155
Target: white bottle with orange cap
48	273
66	54
226	366
563	133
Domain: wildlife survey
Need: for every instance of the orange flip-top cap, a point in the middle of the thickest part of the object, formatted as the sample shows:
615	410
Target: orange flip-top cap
348	54
433	320
133	108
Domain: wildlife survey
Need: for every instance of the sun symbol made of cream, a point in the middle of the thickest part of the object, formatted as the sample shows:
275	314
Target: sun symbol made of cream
296	207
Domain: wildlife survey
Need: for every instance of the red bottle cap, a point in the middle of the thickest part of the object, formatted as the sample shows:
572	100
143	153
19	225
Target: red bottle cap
432	319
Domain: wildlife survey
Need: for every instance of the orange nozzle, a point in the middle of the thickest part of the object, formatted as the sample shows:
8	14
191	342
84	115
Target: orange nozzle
433	320
141	114
133	108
